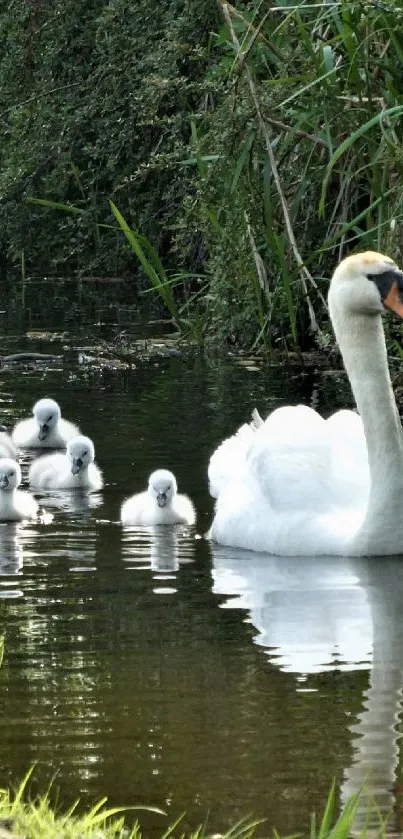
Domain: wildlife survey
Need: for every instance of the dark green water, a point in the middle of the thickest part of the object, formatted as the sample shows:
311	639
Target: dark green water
151	668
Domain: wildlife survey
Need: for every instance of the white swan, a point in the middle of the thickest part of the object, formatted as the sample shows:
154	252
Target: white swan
74	469
46	429
15	505
300	485
160	504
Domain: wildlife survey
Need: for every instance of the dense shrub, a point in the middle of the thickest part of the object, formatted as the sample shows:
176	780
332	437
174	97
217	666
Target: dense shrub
241	139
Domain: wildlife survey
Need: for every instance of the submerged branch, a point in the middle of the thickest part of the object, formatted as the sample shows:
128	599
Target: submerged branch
30	356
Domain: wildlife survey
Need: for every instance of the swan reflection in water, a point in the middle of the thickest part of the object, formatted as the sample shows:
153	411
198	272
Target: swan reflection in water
325	613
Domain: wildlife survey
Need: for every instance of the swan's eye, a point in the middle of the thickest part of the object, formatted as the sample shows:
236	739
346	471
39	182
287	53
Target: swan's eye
10	474
49	419
84	453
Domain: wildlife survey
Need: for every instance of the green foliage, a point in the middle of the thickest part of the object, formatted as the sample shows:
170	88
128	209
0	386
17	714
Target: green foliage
96	96
328	82
250	146
37	818
150	263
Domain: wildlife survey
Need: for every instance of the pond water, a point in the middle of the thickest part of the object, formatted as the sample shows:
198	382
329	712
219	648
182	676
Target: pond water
156	669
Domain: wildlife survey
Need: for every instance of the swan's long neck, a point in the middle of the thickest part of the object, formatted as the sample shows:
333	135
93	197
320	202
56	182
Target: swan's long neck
362	344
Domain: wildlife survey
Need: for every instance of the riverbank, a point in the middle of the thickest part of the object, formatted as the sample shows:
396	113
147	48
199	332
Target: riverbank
21	817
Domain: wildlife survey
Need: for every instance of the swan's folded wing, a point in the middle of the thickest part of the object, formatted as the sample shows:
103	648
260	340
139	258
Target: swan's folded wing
302	462
289	461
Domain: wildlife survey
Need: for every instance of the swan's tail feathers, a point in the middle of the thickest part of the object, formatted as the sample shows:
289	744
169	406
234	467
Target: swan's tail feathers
228	462
257	421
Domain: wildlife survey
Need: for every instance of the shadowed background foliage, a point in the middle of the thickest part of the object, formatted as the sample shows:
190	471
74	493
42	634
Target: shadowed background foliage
241	140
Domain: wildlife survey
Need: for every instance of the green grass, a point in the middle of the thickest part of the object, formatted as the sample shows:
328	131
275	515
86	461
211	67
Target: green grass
37	818
22	817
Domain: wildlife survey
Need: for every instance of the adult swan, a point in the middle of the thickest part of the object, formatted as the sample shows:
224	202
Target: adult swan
300	485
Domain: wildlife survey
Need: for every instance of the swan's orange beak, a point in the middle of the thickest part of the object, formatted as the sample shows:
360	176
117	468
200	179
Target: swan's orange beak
393	299
390	286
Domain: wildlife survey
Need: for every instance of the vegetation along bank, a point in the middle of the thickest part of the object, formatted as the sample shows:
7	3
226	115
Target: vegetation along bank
223	154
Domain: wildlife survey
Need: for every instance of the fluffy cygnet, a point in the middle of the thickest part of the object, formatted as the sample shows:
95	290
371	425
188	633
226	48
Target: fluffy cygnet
160	504
46	429
15	505
7	447
75	469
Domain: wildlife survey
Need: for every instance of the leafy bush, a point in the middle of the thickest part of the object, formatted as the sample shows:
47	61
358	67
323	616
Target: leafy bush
251	145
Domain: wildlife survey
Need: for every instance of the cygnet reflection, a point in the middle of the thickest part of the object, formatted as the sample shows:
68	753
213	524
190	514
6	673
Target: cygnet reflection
11	548
67	501
163	549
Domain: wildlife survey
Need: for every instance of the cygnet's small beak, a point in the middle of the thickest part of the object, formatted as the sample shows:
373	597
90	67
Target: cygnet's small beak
4	482
76	465
43	431
161	499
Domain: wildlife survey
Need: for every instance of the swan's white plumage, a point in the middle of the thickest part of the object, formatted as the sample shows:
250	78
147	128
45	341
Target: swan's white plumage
74	469
160	504
297	458
300	484
229	459
15	505
46	429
